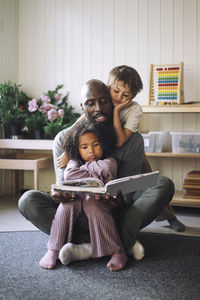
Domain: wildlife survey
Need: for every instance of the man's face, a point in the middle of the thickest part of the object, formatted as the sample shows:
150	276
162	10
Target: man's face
96	103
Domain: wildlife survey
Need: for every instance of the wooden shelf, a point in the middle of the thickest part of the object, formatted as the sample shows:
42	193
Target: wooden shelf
178	200
181	108
172	155
26	144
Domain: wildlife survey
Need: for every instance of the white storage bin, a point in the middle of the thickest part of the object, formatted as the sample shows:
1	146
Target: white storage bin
185	142
162	141
157	141
148	142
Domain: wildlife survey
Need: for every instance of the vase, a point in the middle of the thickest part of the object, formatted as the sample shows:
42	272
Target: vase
38	134
11	131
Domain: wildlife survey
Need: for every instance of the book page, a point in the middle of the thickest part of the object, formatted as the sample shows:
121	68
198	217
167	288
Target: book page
84	189
131	184
84	182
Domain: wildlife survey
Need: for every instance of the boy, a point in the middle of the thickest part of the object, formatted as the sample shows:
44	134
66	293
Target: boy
124	84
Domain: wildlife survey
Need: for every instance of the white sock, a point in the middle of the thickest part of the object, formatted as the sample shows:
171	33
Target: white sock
71	252
137	251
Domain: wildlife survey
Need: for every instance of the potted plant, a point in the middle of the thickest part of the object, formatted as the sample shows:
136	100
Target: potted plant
13	104
49	114
34	120
62	116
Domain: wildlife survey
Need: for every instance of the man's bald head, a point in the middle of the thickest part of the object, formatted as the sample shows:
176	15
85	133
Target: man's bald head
96	101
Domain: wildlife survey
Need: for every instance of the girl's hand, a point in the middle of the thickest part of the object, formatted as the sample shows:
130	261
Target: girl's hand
62	160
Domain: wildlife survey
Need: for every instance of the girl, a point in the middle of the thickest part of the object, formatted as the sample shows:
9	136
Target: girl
88	146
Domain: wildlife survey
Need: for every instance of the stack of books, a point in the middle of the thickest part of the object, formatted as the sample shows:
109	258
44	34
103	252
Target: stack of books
191	185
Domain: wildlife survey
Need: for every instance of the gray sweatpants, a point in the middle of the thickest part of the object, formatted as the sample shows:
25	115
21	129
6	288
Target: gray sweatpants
40	209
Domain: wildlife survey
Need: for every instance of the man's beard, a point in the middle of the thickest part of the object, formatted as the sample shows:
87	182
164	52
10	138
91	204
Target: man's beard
103	118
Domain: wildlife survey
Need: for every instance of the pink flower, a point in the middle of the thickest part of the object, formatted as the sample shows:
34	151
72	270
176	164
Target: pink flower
57	97
45	98
25	129
52	114
46	107
32	105
61	112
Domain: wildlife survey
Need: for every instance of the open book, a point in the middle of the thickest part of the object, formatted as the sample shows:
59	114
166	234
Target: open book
94	185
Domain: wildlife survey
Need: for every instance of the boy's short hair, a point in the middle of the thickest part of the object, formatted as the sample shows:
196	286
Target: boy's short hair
128	75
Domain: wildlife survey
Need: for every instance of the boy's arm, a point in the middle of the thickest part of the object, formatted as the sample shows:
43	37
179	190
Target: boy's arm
132	118
122	134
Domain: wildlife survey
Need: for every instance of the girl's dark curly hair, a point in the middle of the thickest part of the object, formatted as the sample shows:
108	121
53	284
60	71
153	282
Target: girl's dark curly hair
104	133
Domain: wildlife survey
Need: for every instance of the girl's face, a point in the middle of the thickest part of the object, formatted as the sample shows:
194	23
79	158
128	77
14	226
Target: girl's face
89	147
120	92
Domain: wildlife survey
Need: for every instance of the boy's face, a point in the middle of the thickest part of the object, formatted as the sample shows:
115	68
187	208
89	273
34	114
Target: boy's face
96	103
120	92
89	147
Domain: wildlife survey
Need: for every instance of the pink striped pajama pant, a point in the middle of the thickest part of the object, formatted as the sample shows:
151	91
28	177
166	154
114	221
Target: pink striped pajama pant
103	231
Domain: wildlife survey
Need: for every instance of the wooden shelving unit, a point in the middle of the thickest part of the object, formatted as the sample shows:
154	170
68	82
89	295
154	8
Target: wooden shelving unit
172	155
26	144
181	108
178	199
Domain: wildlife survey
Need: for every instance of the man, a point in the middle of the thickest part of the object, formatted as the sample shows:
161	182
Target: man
145	206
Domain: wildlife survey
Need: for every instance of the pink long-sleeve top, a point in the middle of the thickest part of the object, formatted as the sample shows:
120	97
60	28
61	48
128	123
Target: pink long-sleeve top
105	170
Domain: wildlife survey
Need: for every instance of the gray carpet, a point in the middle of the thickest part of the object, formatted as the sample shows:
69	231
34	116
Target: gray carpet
170	270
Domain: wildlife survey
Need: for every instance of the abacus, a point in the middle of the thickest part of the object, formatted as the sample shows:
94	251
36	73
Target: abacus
166	84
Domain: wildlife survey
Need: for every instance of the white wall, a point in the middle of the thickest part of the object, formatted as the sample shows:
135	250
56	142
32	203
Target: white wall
8	60
71	41
8	40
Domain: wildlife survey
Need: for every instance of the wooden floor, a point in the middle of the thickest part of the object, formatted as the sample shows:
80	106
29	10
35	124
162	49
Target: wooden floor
12	220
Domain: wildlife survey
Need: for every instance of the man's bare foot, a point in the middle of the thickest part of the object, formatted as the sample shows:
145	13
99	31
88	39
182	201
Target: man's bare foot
117	262
48	261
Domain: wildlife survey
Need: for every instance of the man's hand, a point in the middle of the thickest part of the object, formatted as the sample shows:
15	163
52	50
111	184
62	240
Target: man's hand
64	196
107	199
62	160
